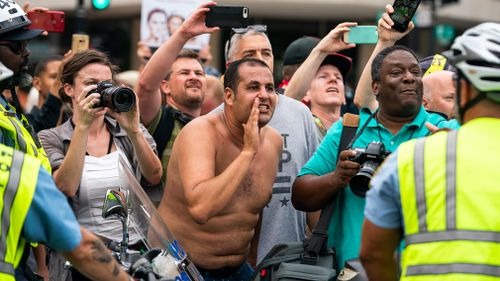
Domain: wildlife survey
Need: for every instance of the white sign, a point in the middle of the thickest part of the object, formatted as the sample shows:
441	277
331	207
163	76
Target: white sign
161	18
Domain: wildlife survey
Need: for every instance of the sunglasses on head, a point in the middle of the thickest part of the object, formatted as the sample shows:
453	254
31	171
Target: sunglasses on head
17	47
243	30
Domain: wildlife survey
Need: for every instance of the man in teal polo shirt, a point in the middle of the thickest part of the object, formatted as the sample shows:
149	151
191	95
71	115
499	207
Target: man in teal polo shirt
397	85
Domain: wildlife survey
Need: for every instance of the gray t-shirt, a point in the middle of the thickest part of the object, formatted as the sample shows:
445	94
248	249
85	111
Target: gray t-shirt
281	222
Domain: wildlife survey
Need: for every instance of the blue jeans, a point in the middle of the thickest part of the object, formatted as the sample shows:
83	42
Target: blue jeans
242	273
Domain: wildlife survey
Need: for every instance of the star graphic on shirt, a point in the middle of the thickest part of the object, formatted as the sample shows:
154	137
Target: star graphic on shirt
284	202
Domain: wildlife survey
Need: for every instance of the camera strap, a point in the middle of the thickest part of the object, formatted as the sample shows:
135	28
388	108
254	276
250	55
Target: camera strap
316	243
353	139
167	121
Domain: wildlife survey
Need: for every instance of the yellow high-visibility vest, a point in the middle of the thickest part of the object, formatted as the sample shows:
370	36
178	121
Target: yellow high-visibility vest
450	197
24	141
17	188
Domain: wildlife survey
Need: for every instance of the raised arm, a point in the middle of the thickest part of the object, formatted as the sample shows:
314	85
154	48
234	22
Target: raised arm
207	193
161	61
363	97
331	43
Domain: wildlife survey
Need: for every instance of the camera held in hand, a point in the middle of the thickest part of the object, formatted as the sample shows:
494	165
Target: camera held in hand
369	158
119	99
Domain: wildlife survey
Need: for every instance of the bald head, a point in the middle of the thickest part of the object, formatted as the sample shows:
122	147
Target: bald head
439	92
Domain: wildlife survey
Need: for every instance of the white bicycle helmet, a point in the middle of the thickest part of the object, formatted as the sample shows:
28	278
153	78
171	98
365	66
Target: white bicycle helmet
476	54
12	16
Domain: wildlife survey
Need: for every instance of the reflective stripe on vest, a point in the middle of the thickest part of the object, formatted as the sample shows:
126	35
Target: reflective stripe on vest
435	243
8	198
24	140
17	187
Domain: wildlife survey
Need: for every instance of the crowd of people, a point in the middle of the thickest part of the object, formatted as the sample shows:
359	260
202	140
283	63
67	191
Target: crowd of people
236	166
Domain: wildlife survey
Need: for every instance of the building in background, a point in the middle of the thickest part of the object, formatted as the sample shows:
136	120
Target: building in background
116	29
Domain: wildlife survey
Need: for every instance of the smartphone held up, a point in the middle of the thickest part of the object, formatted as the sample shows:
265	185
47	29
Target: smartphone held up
51	21
404	10
361	34
227	16
79	42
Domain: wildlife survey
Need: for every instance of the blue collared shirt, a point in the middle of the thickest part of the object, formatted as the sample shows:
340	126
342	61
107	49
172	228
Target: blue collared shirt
50	219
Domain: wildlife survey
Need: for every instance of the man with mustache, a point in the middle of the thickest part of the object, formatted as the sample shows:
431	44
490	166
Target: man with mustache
221	173
397	85
180	76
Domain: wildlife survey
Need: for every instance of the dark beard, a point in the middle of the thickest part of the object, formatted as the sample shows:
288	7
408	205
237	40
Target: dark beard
21	79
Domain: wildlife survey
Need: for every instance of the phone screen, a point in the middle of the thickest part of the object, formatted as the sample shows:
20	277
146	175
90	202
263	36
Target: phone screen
403	13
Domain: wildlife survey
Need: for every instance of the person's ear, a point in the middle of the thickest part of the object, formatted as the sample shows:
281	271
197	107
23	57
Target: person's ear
37	83
229	96
165	87
375	88
425	102
307	97
466	93
69	90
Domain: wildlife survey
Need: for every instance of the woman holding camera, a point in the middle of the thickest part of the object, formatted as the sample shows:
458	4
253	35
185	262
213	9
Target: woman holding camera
85	151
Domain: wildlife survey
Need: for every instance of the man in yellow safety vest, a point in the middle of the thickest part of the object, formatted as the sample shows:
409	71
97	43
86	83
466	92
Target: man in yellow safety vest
441	193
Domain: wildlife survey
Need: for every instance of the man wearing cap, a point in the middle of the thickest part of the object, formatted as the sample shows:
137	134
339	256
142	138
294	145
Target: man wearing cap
295	54
319	81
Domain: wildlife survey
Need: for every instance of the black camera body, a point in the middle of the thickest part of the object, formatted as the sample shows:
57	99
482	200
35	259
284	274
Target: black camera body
119	99
370	158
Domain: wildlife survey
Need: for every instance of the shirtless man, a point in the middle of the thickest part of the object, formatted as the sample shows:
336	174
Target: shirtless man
221	173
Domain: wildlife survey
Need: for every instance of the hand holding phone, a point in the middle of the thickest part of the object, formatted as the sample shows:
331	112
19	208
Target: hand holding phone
404	10
51	21
227	16
361	34
80	42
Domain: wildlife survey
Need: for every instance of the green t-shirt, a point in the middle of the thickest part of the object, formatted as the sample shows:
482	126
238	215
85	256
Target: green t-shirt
344	233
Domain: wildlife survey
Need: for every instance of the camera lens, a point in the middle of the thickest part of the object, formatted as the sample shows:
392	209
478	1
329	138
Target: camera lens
119	99
360	182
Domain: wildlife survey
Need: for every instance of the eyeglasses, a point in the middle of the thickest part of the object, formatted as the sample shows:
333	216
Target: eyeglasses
257	28
17	47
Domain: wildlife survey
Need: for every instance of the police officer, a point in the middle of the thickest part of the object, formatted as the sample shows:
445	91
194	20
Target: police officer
441	193
15	130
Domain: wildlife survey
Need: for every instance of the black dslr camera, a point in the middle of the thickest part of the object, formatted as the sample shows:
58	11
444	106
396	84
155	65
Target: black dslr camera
369	158
119	99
